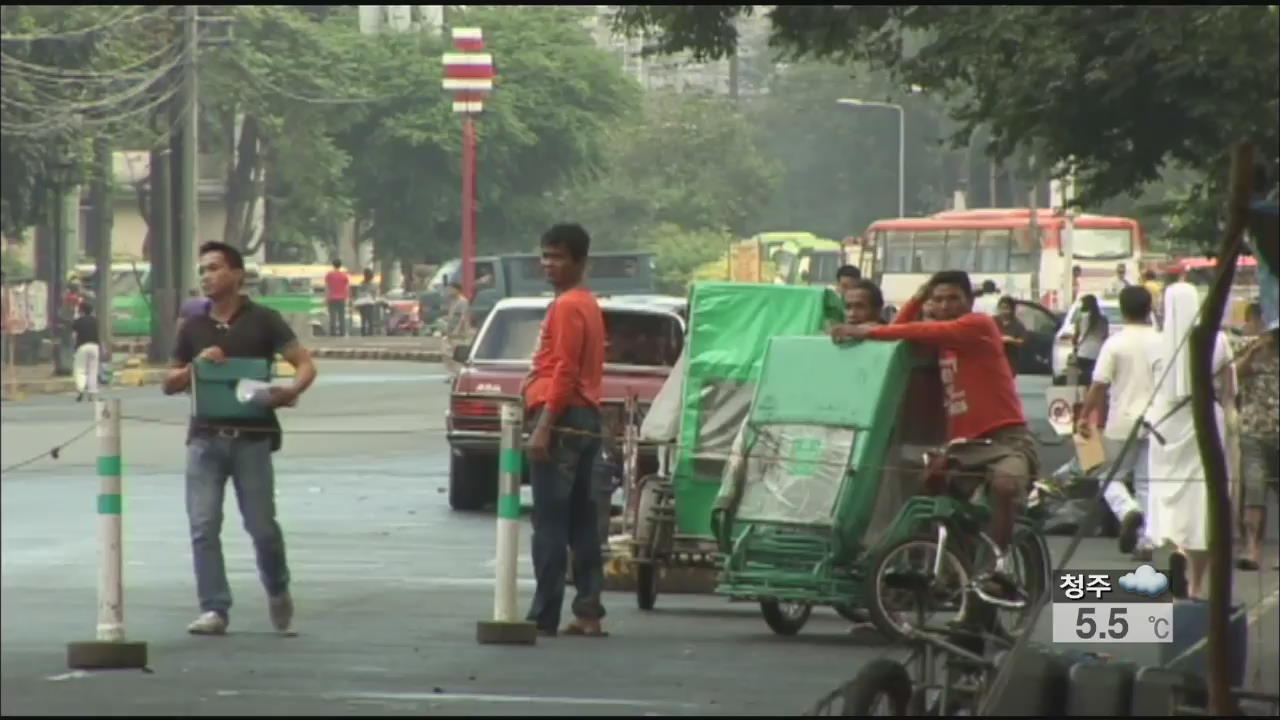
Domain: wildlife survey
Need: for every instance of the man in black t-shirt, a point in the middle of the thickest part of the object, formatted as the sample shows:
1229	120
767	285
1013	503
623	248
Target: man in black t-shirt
234	326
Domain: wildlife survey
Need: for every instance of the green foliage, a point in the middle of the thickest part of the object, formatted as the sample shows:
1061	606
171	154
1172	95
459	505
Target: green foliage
555	95
1115	93
680	252
684	161
840	162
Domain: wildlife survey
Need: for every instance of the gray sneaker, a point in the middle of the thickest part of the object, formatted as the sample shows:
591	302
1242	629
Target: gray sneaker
281	607
209	623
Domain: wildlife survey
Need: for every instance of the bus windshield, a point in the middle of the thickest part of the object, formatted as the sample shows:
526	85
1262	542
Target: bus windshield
1101	243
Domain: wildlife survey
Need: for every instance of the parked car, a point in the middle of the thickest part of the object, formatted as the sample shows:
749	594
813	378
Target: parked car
1036	354
643	342
1062	348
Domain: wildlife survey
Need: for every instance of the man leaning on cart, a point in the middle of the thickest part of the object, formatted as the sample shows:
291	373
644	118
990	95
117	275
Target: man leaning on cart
983	406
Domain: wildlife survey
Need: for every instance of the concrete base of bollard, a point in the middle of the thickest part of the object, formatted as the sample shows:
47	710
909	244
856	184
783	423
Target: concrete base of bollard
492	632
104	655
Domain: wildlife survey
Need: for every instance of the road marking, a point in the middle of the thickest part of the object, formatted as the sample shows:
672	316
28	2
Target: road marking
390	697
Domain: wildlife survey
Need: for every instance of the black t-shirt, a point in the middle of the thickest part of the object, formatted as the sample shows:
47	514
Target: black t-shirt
254	332
85	329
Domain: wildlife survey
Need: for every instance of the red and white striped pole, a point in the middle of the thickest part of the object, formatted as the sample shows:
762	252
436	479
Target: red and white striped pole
468	74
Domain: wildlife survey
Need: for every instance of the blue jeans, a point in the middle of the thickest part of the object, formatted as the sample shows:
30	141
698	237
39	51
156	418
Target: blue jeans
247	461
564	516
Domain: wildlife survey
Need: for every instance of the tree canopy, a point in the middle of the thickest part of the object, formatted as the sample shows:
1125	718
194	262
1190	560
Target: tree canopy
1114	93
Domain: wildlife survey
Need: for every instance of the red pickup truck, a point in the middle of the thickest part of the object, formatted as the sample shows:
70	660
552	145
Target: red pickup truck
644	337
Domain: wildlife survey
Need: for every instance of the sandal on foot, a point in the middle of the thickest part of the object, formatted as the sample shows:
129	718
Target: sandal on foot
1246	564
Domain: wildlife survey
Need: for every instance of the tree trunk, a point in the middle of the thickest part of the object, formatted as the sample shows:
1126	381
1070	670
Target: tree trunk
269	188
1209	436
240	192
100	227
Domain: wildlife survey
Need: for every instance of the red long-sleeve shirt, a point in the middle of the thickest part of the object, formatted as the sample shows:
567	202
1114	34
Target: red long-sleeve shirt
976	378
569	364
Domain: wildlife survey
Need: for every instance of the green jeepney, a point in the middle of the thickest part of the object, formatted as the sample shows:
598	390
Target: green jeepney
131	295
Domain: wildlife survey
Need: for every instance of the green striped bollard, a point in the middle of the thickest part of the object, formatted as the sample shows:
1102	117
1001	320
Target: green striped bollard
506	626
110	650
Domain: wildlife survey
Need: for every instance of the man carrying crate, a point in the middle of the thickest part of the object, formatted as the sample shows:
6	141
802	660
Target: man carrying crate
228	438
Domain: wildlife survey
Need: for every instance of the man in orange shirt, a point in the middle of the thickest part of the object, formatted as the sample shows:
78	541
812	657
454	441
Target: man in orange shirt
983	407
562	394
337	292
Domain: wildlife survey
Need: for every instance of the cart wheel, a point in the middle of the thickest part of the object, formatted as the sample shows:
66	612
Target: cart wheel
852	613
785	618
882	687
903	591
646	585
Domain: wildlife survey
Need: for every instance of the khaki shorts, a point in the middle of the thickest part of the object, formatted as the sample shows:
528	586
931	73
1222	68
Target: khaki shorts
1012	453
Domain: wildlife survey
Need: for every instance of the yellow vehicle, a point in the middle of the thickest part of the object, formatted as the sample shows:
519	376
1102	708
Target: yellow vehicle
781	258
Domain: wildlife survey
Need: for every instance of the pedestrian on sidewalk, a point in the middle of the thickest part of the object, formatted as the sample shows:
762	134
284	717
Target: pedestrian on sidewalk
1090	332
562	394
367	304
1259	368
88	353
1124	374
337	291
234	327
457	327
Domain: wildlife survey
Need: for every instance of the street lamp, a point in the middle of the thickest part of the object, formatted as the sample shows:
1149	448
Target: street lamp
60	178
902	143
468	74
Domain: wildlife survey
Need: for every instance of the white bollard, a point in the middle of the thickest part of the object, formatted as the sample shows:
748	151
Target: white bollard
506	627
111	562
110	650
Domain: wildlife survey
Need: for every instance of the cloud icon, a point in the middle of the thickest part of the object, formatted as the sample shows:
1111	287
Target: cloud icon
1145	581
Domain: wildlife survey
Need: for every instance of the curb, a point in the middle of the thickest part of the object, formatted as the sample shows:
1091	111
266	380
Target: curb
426	356
124	377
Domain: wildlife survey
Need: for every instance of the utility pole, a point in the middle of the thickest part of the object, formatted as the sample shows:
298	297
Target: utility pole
190	187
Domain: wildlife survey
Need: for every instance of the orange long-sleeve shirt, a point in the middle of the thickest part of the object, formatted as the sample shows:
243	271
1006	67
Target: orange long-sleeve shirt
568	365
976	378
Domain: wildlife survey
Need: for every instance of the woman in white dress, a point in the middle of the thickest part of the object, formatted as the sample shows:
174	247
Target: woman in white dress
1178	500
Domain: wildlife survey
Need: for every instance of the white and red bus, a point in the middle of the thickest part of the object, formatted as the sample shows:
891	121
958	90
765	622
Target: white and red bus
998	244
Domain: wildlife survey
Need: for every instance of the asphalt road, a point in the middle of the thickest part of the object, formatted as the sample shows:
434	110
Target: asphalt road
388	584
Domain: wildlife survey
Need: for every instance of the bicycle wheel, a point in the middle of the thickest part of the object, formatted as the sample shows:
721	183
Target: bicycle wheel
905	593
1030	561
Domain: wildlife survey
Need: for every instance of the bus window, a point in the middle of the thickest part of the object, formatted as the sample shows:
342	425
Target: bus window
993	251
1101	243
961	246
928	251
1022	254
897	250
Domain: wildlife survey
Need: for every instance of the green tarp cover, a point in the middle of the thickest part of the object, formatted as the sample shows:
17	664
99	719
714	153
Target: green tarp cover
730	328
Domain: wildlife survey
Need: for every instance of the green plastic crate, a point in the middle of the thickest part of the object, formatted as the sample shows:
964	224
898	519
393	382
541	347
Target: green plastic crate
214	389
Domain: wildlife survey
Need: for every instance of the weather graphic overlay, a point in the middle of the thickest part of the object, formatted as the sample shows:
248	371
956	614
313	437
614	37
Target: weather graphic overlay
1112	606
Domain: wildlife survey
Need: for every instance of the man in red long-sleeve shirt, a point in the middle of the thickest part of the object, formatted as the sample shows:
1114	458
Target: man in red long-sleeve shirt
982	405
562	394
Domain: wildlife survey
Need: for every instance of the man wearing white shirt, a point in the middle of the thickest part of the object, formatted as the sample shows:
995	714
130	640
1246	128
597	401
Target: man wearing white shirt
1123	373
987	301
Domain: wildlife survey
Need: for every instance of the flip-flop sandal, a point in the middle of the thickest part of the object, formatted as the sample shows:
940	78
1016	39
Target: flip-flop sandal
578	630
1246	564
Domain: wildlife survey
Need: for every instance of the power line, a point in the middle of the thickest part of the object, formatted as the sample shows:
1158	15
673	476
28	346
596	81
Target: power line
18	66
119	98
131	14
